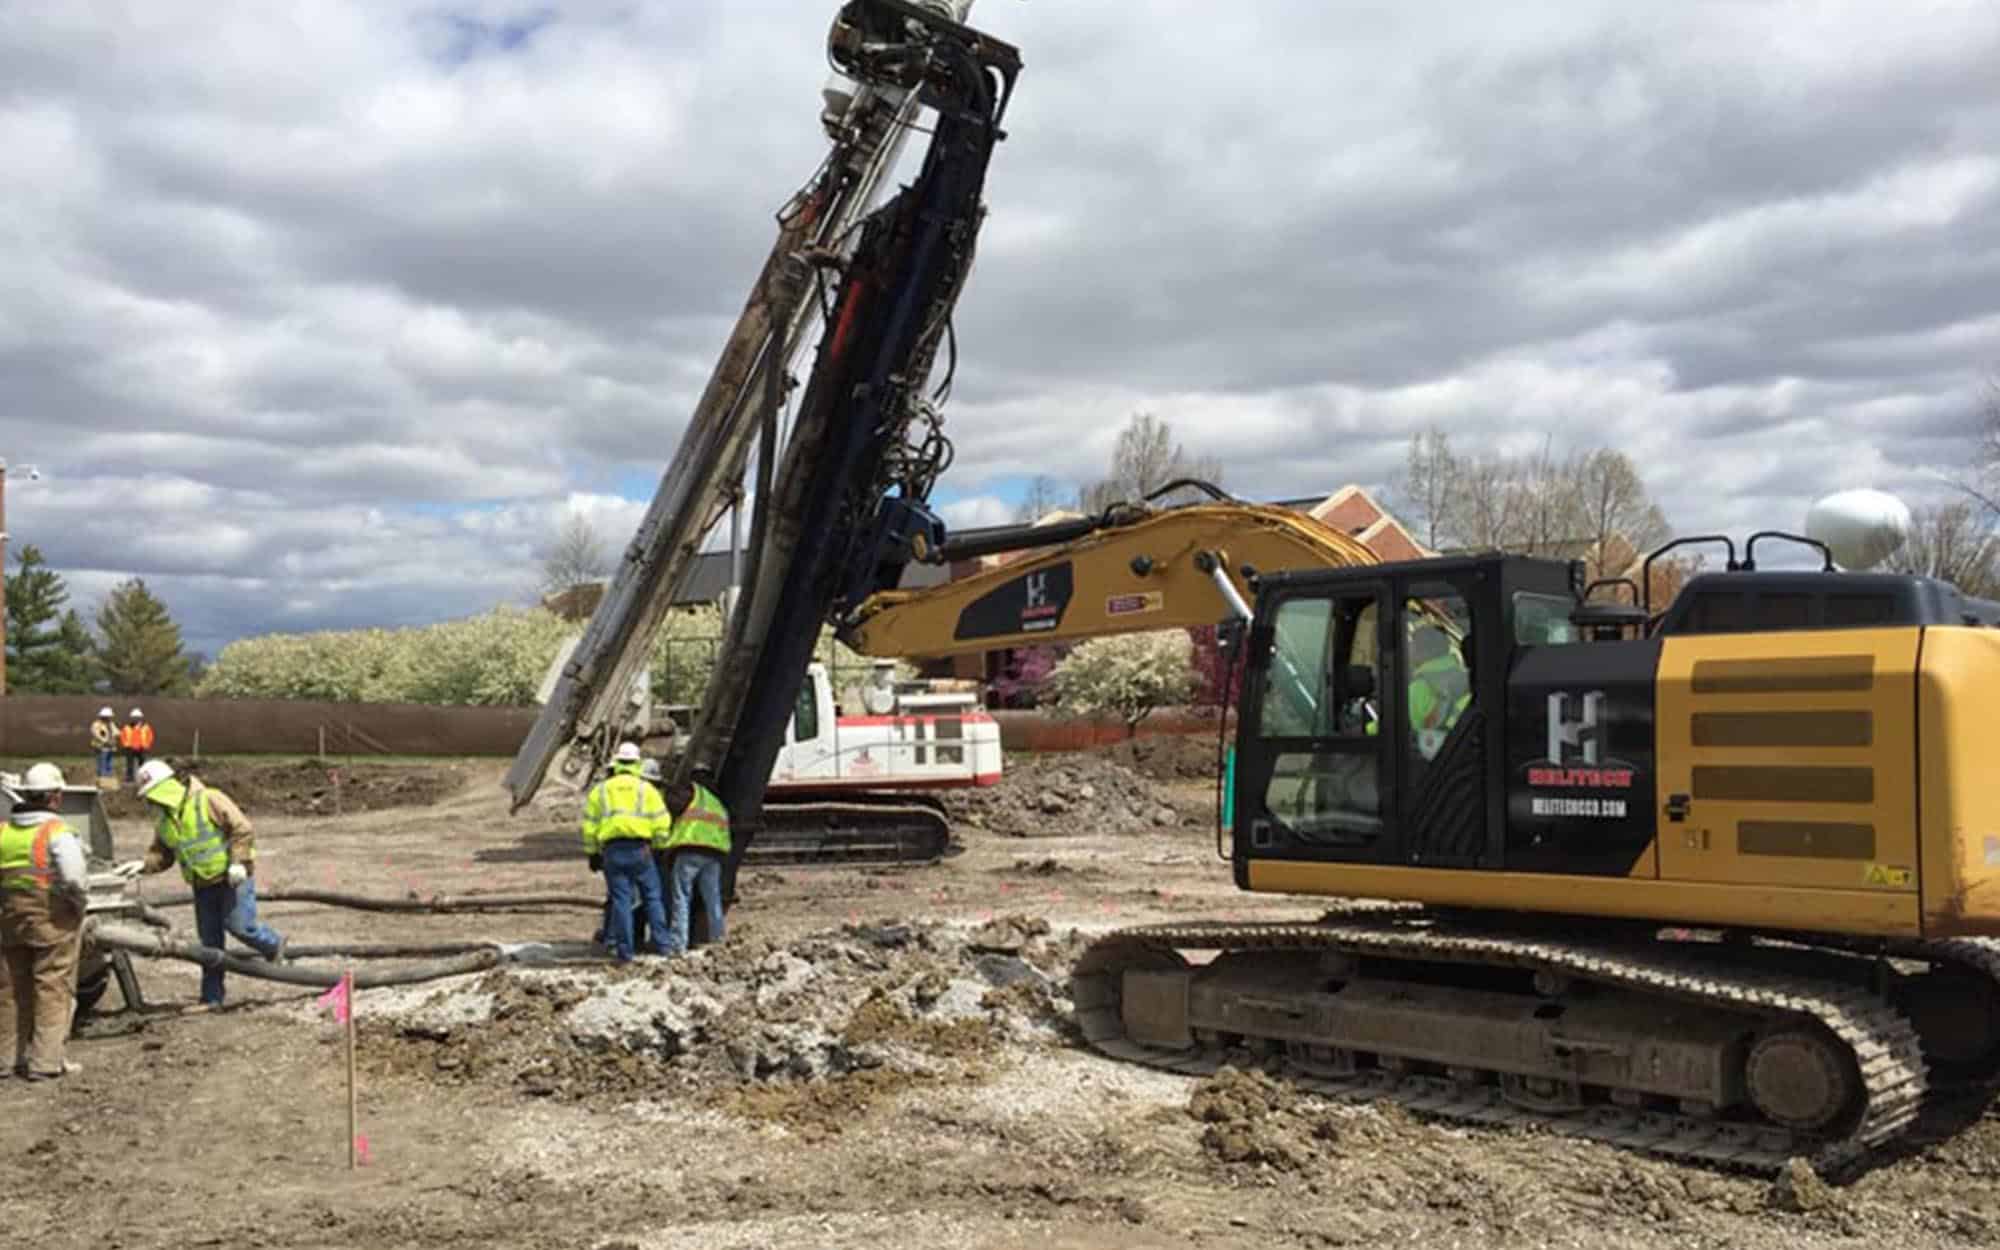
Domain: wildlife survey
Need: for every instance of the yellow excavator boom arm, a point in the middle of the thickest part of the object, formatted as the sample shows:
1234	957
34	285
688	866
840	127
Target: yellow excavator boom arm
1157	570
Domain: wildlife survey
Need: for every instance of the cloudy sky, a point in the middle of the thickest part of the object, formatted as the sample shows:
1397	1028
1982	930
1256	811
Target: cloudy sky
322	312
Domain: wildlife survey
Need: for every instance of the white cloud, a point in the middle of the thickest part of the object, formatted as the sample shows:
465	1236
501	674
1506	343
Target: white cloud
342	346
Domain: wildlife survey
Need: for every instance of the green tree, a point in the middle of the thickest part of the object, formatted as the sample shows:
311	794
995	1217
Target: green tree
139	649
48	648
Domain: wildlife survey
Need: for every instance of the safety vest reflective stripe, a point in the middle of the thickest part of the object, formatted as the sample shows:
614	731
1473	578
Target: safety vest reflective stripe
24	856
704	824
202	852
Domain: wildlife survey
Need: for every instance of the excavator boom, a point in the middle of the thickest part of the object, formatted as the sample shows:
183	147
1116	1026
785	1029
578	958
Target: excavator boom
1127	570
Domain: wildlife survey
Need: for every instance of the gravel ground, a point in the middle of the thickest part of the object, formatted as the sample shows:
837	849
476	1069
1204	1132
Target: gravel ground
875	1058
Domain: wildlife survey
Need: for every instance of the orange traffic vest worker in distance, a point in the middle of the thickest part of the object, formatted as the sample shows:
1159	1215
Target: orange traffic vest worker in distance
135	742
43	894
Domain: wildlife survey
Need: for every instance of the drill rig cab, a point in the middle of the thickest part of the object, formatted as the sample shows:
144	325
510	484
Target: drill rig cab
1722	885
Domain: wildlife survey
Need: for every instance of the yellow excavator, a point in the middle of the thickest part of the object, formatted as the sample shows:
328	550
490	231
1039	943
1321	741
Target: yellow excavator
1717	881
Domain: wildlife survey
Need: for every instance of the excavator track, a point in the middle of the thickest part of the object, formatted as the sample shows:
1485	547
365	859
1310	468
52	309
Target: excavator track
1833	1058
851	829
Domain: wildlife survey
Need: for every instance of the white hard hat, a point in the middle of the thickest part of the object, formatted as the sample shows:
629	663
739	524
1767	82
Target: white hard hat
42	779
650	770
628	753
152	773
137	714
106	712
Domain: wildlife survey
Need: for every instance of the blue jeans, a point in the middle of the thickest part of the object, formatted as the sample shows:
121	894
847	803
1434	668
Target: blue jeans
629	870
692	871
222	909
106	758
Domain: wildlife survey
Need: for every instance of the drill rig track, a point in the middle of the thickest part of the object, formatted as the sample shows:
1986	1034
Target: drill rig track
1718	1053
850	829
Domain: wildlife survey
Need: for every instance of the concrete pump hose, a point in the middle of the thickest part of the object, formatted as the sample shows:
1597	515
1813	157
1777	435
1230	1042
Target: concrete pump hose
436	903
161	946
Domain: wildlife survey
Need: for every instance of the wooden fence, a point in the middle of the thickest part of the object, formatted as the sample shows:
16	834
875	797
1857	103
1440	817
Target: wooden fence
42	725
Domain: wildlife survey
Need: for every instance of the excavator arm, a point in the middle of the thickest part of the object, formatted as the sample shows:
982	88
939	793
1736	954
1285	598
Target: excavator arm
1127	570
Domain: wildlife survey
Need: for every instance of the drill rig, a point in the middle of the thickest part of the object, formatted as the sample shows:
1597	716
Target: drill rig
841	507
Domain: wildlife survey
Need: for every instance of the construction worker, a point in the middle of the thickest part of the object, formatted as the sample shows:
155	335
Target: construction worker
43	894
620	816
697	844
136	740
1440	689
211	840
104	735
650	771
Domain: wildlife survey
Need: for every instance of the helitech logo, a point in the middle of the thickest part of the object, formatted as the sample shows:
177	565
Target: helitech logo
1576	746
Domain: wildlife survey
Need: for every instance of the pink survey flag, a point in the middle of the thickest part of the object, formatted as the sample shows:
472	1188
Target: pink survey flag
335	999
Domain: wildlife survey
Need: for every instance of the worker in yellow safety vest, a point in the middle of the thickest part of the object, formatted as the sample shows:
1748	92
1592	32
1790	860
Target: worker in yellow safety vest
696	845
1440	689
621	818
43	894
210	838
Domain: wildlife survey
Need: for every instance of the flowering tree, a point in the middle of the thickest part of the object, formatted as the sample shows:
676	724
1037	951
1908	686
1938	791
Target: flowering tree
1125	675
1023	674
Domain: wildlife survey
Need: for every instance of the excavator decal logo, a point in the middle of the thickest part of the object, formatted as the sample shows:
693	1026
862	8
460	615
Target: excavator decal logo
1581	733
1576	758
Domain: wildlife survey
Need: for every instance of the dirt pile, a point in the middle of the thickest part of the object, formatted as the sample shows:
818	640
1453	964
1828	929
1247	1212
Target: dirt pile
806	1032
1251	1119
306	787
1166	757
1042	796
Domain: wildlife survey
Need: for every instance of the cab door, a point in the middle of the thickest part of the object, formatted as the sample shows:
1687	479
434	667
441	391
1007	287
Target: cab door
1788	759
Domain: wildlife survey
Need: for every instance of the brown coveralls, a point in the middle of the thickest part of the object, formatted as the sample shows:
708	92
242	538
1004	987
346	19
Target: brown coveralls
41	943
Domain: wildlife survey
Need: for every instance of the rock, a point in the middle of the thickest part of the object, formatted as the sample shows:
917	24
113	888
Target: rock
1001	971
886	936
1086	792
1799	1189
1166	816
1051	803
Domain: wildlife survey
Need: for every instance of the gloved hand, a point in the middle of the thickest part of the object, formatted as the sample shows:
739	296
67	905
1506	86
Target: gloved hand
238	874
596	862
130	869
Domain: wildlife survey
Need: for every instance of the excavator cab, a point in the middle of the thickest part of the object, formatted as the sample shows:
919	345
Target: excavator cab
1368	720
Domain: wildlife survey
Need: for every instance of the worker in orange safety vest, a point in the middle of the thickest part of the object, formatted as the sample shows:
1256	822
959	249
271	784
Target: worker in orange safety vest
135	741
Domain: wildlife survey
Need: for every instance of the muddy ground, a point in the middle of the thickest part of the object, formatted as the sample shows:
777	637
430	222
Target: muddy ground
875	1058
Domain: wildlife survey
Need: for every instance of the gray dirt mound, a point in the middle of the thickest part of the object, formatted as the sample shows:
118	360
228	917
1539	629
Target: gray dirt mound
1069	794
807	1032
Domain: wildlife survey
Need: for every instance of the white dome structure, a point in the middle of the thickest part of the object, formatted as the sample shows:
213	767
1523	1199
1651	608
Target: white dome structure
1861	528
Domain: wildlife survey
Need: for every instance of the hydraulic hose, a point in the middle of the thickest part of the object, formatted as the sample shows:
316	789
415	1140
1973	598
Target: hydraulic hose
163	946
436	903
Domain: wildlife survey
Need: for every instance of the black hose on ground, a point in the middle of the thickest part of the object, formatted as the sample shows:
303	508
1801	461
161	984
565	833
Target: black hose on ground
436	903
383	950
161	946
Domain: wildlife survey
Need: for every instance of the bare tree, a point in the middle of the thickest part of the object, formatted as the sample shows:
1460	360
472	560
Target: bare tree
574	560
1145	459
1580	505
1955	542
1042	498
1618	520
1430	478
